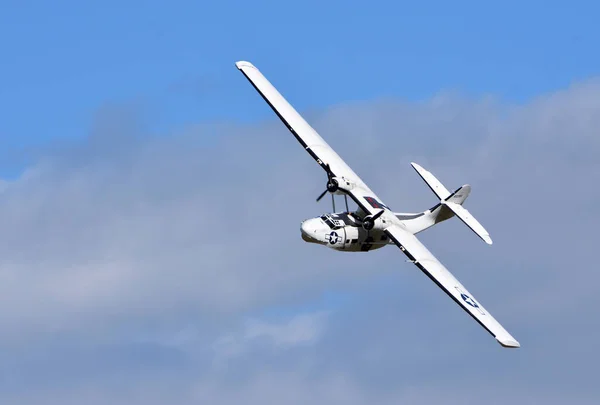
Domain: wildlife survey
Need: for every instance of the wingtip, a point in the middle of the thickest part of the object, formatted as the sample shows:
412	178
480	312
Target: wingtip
487	239
509	343
243	63
418	168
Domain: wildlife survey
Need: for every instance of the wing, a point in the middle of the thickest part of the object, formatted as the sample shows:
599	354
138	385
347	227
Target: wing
436	271
311	140
364	197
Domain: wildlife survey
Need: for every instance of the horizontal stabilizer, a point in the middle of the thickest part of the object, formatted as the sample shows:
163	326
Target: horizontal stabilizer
433	183
465	216
453	201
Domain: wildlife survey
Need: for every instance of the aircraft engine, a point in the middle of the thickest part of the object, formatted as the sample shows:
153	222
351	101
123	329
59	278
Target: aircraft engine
371	222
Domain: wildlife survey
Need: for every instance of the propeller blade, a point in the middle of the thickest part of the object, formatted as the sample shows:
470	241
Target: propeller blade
333	202
321	196
380	213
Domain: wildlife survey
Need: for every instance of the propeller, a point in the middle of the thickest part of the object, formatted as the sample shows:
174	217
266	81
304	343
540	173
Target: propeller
369	221
332	186
321	196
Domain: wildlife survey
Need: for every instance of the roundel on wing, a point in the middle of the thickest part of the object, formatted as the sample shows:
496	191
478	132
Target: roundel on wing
469	300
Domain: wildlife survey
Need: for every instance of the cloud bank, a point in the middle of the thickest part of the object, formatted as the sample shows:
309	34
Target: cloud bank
147	269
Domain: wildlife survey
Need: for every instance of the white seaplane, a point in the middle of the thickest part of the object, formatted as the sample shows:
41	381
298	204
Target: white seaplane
374	225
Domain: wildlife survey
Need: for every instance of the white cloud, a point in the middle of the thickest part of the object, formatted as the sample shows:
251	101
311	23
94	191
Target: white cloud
302	329
122	264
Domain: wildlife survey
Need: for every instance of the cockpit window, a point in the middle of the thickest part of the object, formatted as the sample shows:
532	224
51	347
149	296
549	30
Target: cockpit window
330	223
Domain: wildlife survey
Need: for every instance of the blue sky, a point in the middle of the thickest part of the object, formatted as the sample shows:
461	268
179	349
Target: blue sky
64	60
138	269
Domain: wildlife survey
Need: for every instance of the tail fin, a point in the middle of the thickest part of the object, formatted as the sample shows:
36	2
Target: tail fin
450	204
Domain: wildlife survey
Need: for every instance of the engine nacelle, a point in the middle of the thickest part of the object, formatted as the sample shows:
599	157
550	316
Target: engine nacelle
369	223
339	185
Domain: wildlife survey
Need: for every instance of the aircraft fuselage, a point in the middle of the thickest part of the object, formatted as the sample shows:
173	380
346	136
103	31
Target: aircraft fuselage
343	232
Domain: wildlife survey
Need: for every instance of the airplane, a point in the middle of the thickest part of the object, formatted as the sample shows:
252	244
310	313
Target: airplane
374	225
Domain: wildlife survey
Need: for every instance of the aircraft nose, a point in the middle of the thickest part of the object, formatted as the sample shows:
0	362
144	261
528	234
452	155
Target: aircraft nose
309	230
306	229
305	226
